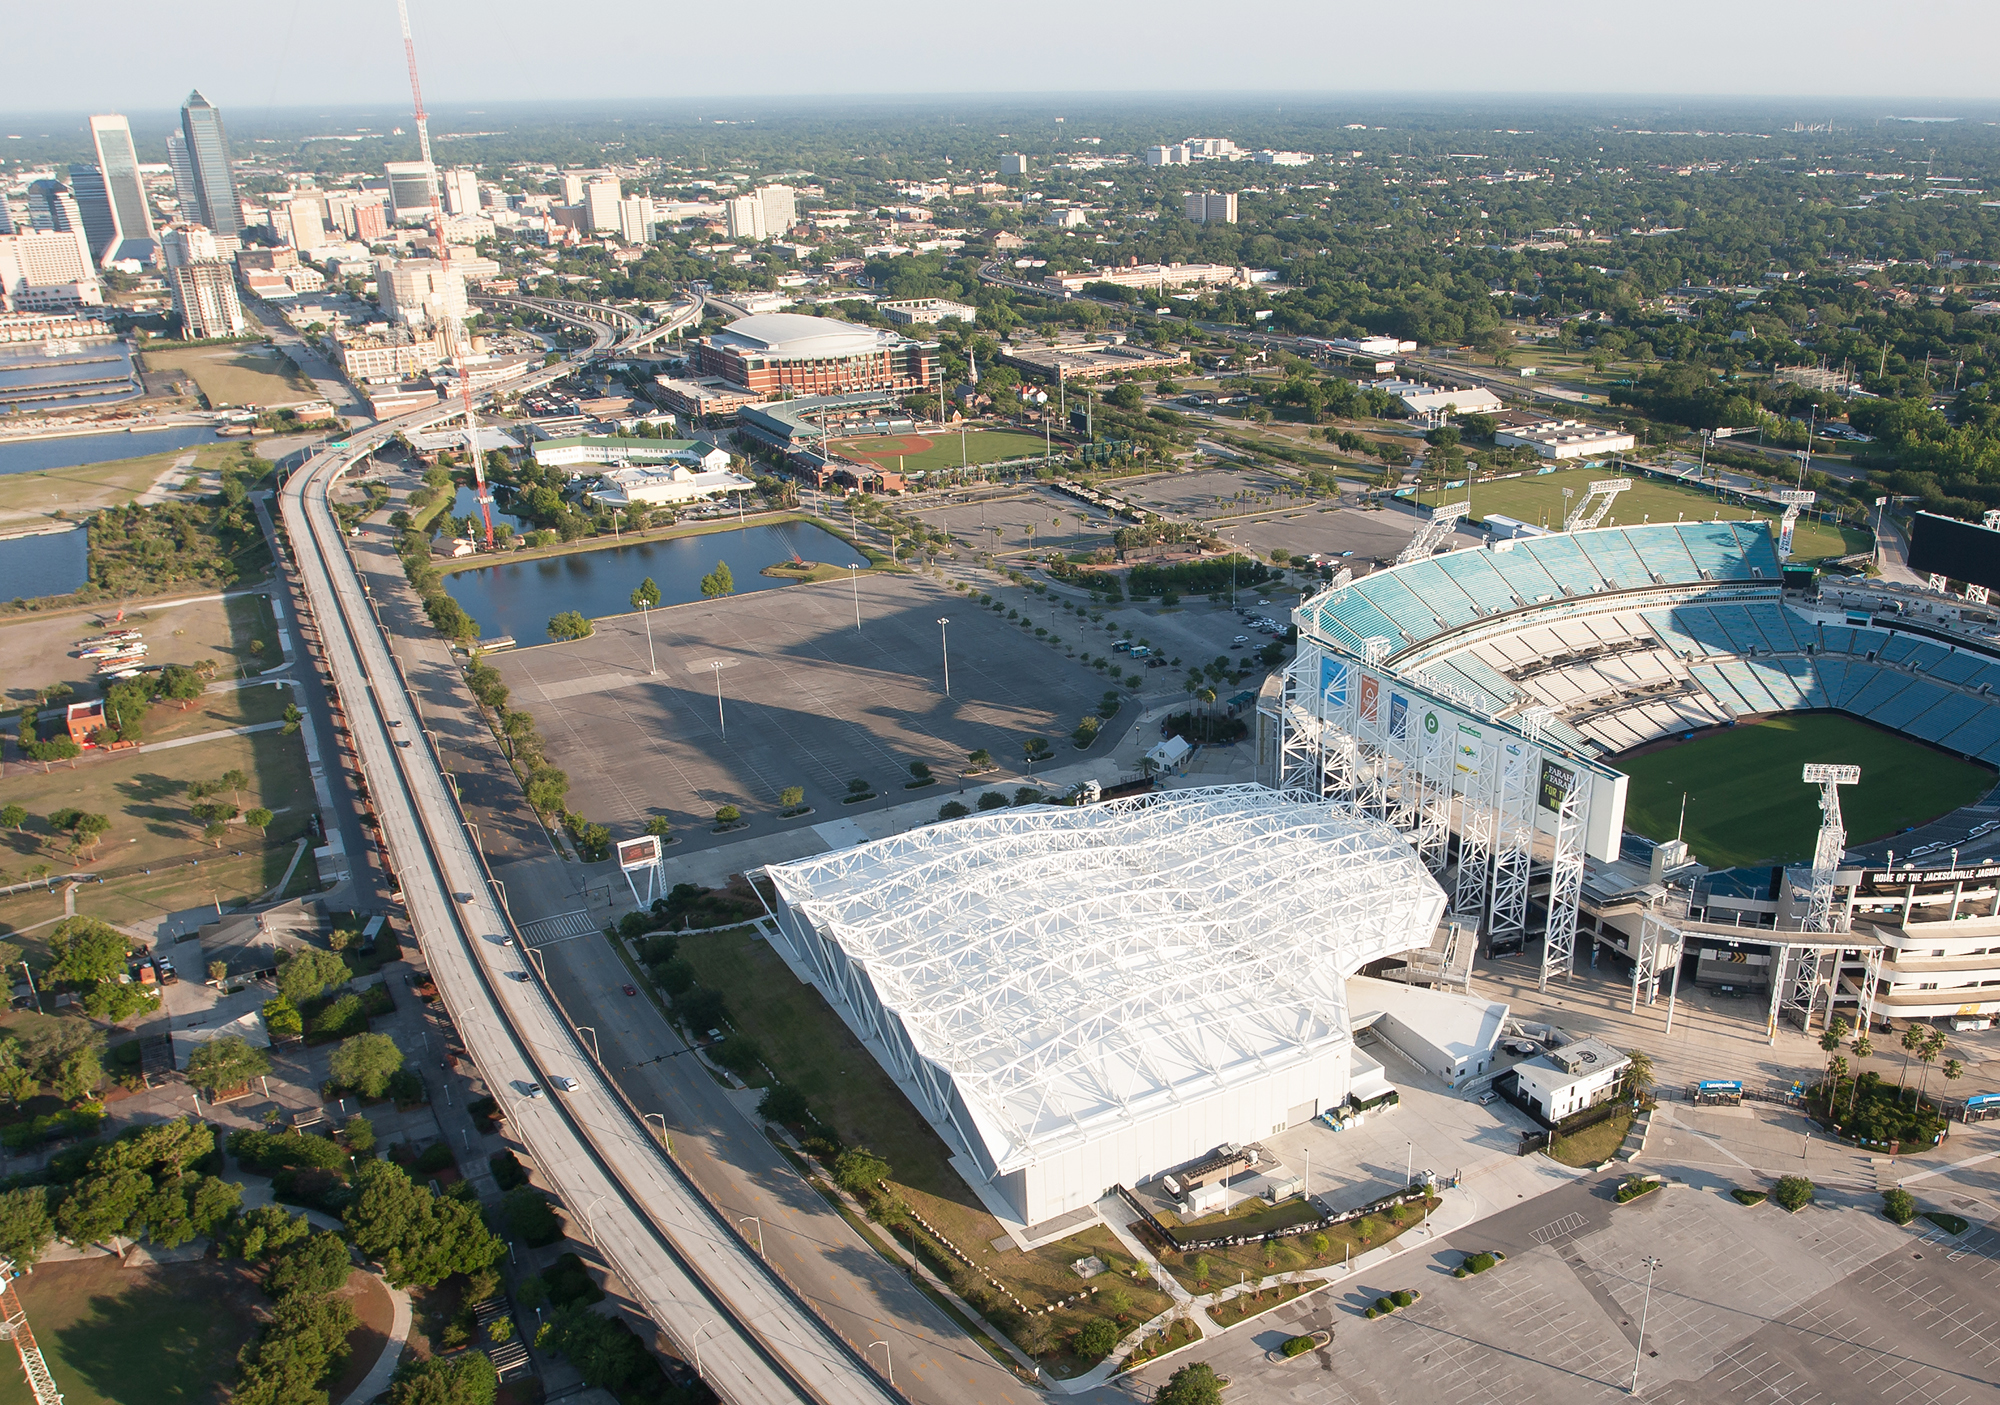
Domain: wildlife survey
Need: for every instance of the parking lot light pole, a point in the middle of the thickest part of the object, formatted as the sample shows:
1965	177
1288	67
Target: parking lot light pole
721	723
1639	1355
945	649
854	577
652	664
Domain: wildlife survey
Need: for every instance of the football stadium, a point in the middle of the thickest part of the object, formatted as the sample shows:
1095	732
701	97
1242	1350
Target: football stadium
1488	702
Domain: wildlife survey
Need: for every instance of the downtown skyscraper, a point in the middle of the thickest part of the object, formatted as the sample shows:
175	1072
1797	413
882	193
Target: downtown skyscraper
111	196
208	162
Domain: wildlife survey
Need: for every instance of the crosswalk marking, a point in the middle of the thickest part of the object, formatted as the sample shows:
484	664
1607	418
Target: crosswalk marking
561	928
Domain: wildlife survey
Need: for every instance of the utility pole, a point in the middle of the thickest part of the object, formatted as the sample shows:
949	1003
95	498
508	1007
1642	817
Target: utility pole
457	340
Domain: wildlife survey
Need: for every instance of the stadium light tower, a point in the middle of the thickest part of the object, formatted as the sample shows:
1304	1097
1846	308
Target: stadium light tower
1832	840
14	1322
457	341
1597	500
1794	502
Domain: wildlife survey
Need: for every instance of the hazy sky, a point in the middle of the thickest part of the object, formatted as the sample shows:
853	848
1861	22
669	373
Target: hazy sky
258	54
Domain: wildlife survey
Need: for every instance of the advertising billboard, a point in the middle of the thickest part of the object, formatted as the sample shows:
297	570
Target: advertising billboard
1959	551
1555	784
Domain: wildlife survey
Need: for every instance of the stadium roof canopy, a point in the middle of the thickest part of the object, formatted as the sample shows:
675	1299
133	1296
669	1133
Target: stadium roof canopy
1075	970
795	336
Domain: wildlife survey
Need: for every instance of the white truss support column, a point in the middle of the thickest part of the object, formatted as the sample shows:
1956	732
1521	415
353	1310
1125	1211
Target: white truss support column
1432	814
1871	980
1514	845
1565	886
1658	951
1478	821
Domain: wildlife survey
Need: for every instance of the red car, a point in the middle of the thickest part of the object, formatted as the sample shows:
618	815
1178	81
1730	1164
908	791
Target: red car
629	990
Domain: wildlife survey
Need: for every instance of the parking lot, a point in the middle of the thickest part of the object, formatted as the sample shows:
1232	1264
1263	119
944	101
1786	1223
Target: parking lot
1747	1304
997	520
806	700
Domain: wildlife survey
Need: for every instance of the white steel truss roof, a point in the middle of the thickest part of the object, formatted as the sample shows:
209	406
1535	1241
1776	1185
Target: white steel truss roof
1076	968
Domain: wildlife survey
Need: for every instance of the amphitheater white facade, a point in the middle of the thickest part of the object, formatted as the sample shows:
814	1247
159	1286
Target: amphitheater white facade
1079	998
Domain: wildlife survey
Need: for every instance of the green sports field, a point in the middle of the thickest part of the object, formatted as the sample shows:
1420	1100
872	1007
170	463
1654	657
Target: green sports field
920	453
1540	499
1747	805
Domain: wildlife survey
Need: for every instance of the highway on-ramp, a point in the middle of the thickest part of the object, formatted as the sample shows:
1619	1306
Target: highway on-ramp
754	1339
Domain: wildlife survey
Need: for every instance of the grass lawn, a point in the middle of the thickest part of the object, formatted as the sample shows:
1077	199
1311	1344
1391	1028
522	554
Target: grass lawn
101	484
1595	1144
944	450
244	374
1539	498
165	1335
144	795
1211	1270
806	1043
1747	805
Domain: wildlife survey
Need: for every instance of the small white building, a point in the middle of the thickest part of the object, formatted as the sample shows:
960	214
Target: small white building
1573	1078
1567	439
907	311
1419	398
618	451
1448	1035
659	484
1169	753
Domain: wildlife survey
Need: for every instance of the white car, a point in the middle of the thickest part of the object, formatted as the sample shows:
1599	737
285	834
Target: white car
1241	639
565	1084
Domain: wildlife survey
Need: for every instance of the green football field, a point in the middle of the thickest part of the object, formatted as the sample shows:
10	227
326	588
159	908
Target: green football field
915	453
1540	500
1747	805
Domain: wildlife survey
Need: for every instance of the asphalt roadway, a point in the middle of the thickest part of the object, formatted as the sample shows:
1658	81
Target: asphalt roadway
718	1138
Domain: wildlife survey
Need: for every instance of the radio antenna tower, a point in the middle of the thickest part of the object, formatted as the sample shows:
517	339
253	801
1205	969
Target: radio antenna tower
457	341
14	1322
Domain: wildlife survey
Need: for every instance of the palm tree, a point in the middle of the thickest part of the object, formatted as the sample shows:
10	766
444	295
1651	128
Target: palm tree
1830	1041
1863	1048
1927	1052
1639	1077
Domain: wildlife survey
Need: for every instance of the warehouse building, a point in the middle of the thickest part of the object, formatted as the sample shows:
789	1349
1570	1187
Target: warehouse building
1173	978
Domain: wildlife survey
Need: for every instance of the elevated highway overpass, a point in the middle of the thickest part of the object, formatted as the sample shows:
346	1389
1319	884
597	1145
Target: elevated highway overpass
754	1337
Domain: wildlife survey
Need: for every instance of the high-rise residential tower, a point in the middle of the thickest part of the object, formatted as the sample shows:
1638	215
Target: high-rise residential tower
52	206
208	160
112	196
412	186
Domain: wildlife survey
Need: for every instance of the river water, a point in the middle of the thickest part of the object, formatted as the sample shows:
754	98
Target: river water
78	375
51	564
518	598
37	455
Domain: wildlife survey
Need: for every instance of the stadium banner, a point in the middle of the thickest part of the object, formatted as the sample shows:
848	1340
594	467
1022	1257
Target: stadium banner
1415	714
1556	781
1370	693
1333	681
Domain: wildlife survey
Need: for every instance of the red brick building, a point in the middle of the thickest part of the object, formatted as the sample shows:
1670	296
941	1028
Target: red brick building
782	351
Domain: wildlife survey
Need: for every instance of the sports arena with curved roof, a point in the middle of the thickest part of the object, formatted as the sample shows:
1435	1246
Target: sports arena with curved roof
1083	997
789	351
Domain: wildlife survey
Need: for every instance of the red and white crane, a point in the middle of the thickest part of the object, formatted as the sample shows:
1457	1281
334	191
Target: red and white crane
14	1324
457	341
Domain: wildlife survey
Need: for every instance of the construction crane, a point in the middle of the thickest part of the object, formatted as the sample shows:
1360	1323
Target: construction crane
1832	840
1603	493
1795	501
14	1322
1444	520
457	341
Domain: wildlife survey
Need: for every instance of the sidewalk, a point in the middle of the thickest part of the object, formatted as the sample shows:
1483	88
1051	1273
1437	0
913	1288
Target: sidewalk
1500	1186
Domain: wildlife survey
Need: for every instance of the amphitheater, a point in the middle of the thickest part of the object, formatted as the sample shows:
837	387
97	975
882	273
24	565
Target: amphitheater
1556	655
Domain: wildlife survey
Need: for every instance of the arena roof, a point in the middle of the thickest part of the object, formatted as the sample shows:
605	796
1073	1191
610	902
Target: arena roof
1072	970
795	336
